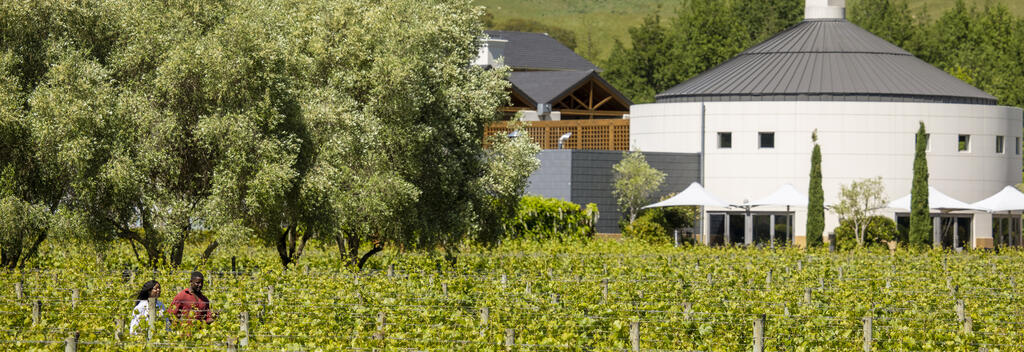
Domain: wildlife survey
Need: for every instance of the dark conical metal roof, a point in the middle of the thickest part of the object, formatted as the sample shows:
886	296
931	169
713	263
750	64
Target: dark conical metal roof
826	60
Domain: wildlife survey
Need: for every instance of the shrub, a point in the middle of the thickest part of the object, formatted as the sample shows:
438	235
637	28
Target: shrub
647	230
880	229
542	219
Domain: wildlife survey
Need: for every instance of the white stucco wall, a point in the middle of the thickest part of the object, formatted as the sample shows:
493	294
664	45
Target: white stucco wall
858	140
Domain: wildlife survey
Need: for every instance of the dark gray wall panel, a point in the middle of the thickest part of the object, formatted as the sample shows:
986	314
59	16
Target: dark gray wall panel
552	179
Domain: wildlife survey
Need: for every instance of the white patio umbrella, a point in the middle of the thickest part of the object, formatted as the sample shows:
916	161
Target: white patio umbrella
1009	199
936	201
692	195
786	196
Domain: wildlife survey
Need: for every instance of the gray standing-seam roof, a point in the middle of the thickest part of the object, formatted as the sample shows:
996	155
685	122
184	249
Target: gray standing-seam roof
544	87
537	51
826	60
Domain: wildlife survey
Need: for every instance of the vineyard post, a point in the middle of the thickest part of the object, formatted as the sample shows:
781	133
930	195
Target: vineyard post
675	236
444	289
634	336
604	290
799	265
840	273
71	342
151	318
768	279
504	279
687	310
118	328
305	269
696	265
243	328
709	279
759	333
19	290
391	270
74	297
867	334
270	295
959	307
131	278
510	338
968	325
821	283
381	320
37	307
554	299
888	282
485	315
230	345
807	295
529	288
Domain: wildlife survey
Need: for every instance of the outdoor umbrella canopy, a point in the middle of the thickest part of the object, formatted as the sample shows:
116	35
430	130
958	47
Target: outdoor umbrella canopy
936	201
784	196
692	195
1009	199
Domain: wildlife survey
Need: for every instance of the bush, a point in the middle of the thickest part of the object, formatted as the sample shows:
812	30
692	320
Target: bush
542	219
647	230
880	229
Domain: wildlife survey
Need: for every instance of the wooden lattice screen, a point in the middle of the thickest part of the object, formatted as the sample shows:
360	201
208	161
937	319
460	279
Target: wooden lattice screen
596	134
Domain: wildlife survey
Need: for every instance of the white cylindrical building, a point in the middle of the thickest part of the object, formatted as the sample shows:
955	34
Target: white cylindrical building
863	95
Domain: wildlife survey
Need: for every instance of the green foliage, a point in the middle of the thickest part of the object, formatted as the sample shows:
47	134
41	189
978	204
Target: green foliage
703	34
858	202
23	227
546	219
648	230
816	198
635	182
564	36
878	229
920	214
509	164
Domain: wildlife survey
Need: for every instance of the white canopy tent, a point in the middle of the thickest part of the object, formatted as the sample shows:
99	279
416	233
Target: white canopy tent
1009	199
694	195
786	196
1007	230
944	204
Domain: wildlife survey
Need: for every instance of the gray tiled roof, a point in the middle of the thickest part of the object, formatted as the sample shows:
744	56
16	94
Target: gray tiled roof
537	51
826	60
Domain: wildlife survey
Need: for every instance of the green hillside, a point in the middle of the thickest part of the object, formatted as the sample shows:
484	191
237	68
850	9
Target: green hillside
598	23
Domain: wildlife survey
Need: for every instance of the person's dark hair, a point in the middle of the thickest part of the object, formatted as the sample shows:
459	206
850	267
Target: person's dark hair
196	274
146	289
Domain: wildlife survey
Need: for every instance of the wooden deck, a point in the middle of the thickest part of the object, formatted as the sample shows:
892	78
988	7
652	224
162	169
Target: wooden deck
591	134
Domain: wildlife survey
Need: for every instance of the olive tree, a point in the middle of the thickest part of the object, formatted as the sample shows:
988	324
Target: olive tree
635	182
858	202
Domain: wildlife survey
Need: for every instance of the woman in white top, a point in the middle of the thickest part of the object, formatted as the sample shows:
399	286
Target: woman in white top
149	290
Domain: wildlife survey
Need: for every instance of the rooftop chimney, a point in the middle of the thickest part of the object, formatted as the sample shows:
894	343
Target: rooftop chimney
491	51
825	9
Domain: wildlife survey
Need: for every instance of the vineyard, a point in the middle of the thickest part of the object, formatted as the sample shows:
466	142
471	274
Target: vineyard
603	295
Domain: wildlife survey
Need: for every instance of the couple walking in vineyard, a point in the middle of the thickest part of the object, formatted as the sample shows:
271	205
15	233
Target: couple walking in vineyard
187	306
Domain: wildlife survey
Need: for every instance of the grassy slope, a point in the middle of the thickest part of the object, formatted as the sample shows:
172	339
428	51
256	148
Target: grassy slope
598	23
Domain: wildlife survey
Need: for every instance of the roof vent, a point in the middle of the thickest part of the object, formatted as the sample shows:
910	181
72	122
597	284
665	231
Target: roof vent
825	9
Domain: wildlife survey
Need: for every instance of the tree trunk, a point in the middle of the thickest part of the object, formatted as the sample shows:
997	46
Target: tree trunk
282	248
209	249
32	250
352	245
374	250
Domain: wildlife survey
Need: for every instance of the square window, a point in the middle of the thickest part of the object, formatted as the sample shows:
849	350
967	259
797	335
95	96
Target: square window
963	143
725	140
766	139
999	144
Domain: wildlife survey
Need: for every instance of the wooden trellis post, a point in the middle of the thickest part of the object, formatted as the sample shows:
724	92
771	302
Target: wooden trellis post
37	314
867	334
634	336
759	333
243	328
71	342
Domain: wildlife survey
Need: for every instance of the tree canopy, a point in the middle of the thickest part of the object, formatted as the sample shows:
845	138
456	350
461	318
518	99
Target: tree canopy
356	122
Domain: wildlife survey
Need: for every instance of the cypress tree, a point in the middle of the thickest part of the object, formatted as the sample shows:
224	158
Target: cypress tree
816	203
920	219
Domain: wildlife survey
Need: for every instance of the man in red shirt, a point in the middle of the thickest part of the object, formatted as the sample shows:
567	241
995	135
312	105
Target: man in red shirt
190	304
